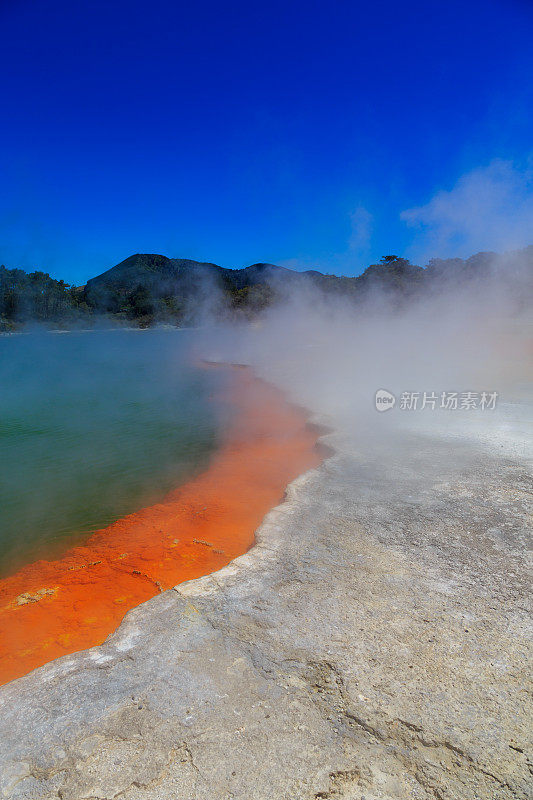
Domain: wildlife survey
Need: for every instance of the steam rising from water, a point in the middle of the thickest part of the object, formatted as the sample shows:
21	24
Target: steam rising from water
457	334
94	426
462	331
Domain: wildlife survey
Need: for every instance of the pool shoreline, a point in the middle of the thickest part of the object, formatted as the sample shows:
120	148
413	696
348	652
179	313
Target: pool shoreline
52	608
373	643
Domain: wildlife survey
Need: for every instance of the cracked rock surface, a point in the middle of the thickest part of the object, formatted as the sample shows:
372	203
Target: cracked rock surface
373	644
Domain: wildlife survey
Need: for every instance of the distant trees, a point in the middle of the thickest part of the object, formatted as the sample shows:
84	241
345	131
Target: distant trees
38	297
392	277
397	265
139	303
391	259
146	288
251	300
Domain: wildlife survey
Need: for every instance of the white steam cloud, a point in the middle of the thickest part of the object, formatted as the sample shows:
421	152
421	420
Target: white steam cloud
489	208
362	223
468	329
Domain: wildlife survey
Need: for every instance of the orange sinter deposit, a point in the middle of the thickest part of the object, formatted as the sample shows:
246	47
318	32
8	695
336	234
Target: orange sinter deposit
50	608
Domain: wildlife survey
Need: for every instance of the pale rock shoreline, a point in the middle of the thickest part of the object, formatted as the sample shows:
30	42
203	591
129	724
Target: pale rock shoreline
373	644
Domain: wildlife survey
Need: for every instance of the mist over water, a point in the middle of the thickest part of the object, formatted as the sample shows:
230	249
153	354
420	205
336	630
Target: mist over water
94	426
465	330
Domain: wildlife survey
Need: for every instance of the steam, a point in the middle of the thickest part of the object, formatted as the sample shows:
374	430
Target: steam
468	329
457	326
489	208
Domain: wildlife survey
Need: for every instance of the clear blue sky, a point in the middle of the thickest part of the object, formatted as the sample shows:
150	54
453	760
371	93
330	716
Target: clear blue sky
235	132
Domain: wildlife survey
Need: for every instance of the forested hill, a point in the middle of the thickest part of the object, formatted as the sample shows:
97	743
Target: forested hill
148	288
173	285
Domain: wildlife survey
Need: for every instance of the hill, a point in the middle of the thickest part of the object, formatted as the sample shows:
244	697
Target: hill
148	287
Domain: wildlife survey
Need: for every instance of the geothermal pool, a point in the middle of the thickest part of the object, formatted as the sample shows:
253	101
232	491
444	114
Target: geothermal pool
92	427
132	470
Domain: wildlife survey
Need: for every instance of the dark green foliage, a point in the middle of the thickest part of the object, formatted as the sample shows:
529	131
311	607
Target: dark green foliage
250	301
150	288
35	296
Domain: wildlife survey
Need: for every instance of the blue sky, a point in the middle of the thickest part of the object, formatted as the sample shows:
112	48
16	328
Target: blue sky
297	133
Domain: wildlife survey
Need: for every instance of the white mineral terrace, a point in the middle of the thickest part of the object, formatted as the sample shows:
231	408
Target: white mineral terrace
373	644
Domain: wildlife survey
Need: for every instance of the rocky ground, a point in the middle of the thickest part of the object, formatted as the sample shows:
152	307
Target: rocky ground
373	644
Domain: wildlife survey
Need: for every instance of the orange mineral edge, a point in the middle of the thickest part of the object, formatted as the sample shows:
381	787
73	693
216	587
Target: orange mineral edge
51	608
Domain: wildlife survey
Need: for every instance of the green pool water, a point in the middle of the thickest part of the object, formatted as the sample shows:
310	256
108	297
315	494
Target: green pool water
94	425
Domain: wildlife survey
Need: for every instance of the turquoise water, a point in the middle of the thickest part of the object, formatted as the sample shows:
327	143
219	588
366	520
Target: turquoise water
94	426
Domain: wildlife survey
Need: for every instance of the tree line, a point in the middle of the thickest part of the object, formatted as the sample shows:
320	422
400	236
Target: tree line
148	288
